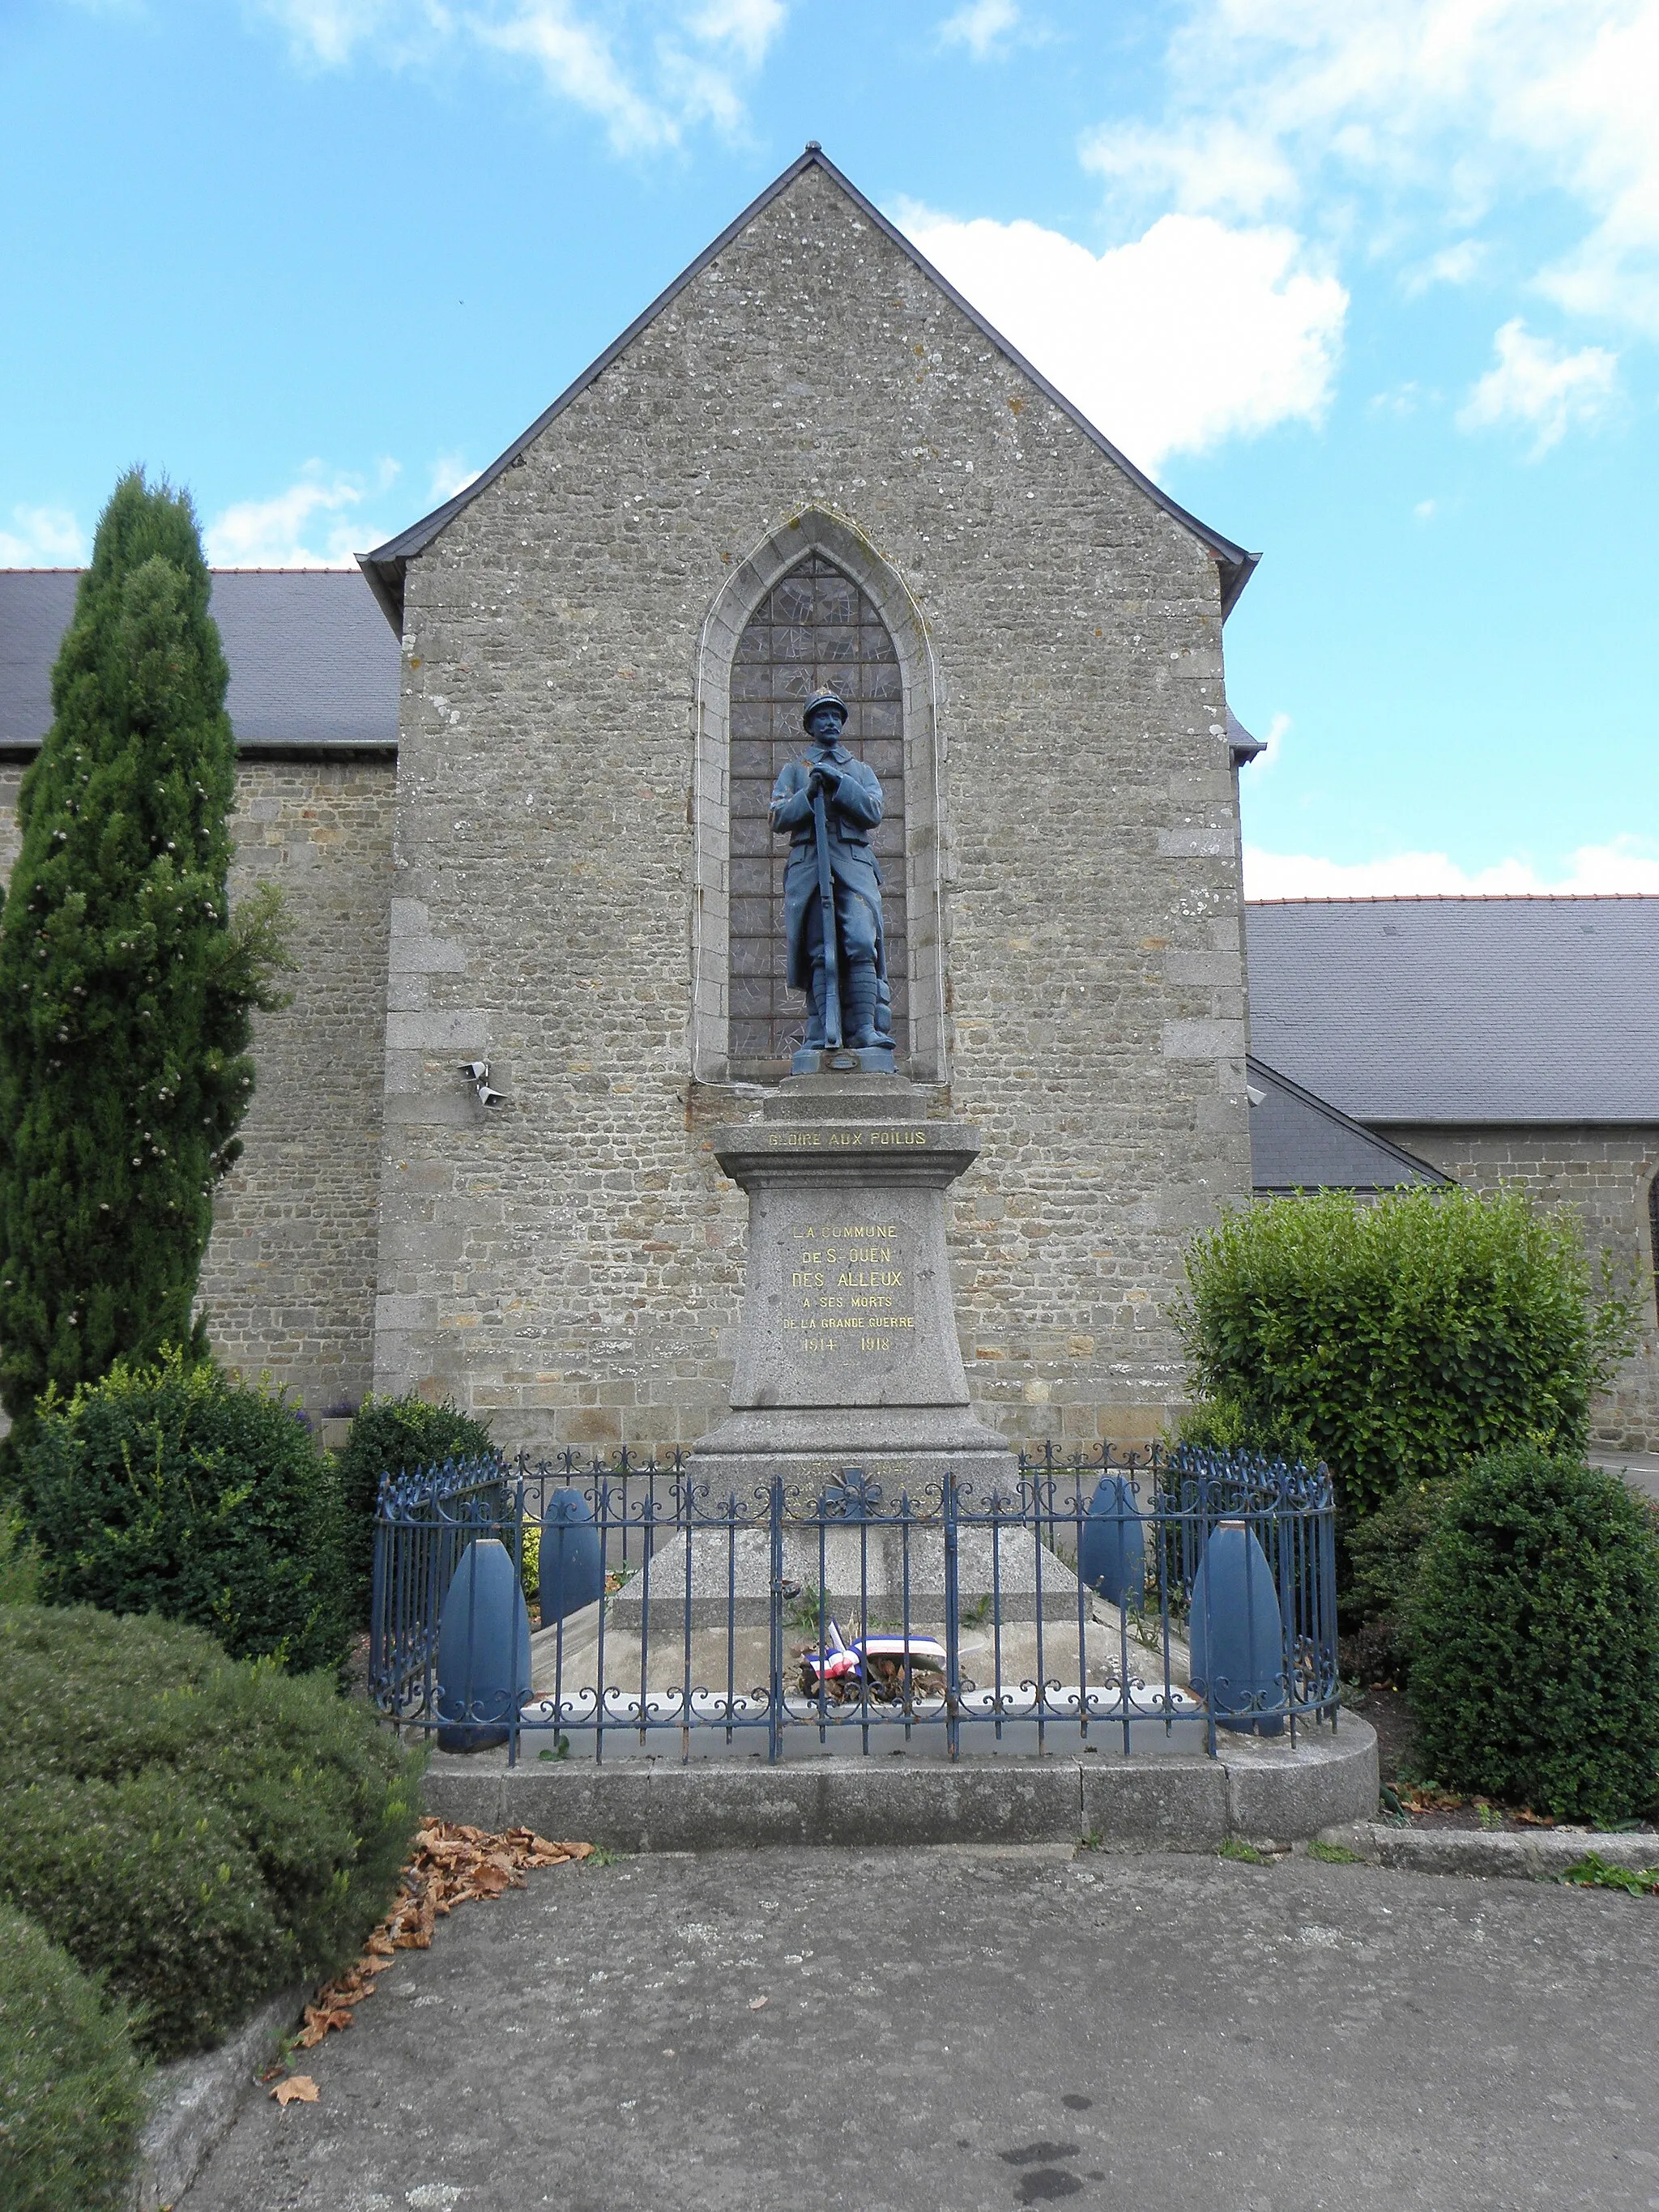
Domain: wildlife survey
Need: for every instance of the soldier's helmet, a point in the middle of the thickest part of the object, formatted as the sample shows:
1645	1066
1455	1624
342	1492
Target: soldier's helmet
822	699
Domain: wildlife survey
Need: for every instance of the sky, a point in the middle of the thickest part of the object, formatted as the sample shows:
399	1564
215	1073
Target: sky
1370	285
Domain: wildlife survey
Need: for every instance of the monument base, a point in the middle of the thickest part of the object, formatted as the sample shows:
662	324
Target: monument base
846	1352
898	1447
845	1059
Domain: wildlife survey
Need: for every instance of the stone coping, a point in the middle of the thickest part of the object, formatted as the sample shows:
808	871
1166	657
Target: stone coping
194	2102
1542	1855
1262	1791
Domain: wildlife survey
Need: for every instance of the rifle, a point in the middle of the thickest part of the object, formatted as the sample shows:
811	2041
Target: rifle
827	902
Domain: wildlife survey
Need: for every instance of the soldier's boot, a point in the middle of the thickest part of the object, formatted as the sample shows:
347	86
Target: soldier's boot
858	1005
813	1040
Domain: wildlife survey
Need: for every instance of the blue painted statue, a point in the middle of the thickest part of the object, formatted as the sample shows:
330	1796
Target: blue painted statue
826	805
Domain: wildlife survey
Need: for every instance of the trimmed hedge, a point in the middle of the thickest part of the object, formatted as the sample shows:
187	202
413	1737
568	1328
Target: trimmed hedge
203	1830
1399	1340
1534	1635
1378	1557
394	1435
174	1489
72	2101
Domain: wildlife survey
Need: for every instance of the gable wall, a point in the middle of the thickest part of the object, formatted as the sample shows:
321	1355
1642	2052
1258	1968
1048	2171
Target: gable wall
572	1262
1603	1169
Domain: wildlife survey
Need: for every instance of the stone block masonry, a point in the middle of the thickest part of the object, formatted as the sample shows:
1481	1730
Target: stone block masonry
1605	1171
289	1281
571	1262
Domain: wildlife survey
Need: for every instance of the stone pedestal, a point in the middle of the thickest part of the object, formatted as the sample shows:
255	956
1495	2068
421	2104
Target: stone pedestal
847	1352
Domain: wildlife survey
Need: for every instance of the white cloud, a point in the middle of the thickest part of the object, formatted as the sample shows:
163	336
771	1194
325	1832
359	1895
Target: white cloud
312	524
748	26
1211	166
1453	265
1193	333
45	537
979	25
1403	399
645	70
1278	730
1447	107
451	474
1426	509
1537	386
577	65
326	33
1625	864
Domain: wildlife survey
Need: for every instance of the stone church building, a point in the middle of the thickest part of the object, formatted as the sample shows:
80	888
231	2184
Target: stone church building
519	809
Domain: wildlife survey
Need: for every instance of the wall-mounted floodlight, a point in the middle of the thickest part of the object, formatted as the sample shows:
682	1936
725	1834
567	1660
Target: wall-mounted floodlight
477	1073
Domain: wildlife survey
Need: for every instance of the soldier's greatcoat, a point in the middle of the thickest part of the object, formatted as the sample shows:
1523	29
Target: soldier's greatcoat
851	811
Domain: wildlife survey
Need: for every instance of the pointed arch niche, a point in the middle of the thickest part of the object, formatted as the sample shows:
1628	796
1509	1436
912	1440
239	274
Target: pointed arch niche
814	603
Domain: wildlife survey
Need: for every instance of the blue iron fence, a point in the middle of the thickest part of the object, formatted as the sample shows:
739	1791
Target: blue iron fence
1114	1598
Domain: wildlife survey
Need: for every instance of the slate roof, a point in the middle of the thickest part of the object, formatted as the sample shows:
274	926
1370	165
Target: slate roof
1299	1142
1461	1010
312	662
385	566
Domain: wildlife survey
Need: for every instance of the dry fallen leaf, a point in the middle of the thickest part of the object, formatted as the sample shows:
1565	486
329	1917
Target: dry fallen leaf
452	1865
298	2089
755	2003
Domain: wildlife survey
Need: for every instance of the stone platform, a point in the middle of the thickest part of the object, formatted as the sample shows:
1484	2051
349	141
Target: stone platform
854	1568
1265	1792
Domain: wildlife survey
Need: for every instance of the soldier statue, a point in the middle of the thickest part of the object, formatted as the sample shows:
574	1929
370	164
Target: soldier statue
826	805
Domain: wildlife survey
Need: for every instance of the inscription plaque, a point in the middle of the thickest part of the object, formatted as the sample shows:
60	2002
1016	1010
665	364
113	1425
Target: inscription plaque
847	1354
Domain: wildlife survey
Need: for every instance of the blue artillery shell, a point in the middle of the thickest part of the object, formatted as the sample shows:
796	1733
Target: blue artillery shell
1111	1549
572	1566
483	1650
1237	1635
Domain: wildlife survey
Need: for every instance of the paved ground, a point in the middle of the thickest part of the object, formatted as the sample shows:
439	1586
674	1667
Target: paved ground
1640	1469
969	2029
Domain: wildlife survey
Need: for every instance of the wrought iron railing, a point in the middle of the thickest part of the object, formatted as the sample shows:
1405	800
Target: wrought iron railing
1113	1600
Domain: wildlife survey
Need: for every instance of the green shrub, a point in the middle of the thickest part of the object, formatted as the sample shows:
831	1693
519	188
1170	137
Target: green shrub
20	1563
71	2087
394	1435
176	1490
1398	1340
1385	1549
127	988
1377	1560
203	1830
1535	1640
1221	1424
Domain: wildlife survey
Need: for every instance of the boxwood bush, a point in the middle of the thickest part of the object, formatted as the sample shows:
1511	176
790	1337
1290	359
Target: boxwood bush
1399	1340
72	2099
174	1489
393	1435
202	1831
1534	1639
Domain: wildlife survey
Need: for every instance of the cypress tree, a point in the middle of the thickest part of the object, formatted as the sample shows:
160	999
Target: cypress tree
126	989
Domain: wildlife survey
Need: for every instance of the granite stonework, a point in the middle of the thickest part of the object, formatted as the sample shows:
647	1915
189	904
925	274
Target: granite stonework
572	1264
847	1350
288	1285
1605	1171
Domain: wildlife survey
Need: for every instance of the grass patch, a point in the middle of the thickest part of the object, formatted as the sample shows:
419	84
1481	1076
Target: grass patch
1234	1847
